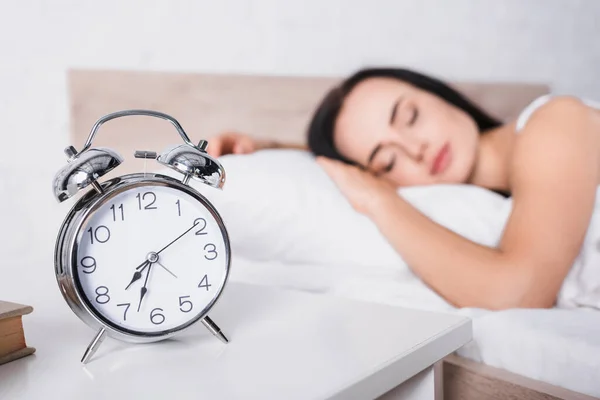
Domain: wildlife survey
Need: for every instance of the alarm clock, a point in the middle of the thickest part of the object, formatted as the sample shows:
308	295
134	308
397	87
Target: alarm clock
141	257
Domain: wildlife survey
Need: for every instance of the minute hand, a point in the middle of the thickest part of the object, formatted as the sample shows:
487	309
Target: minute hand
177	238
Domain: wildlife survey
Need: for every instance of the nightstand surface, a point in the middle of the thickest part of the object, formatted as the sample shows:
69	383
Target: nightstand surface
283	345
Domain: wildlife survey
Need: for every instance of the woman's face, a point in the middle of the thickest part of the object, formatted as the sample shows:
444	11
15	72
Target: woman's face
406	135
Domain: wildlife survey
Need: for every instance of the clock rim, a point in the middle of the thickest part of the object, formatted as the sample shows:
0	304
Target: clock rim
67	247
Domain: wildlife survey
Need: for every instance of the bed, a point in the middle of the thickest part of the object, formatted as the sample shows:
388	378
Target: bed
516	353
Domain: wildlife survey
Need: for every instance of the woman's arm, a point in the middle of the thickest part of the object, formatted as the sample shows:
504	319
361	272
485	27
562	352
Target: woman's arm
241	143
273	144
554	175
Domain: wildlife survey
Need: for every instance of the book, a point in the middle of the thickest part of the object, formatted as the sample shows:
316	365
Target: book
12	335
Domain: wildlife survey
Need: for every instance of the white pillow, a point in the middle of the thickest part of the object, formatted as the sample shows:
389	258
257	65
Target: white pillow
280	205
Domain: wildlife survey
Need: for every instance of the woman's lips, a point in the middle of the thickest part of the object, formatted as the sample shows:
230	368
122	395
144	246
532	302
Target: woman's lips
442	160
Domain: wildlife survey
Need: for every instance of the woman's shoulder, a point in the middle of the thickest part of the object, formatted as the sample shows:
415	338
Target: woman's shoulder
536	104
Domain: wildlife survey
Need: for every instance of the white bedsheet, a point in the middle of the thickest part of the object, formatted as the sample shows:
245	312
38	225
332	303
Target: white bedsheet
557	346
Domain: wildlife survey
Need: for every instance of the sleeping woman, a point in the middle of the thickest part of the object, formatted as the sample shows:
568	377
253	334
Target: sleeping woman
381	129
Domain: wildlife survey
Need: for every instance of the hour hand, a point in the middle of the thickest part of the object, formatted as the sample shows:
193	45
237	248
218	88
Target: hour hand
144	289
142	294
138	273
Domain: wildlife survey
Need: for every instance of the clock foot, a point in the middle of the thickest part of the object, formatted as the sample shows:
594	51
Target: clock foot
214	329
93	346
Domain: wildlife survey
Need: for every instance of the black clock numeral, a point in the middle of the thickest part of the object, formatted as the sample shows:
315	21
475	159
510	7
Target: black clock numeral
91	264
102	298
178	207
151	196
101	234
213	250
200	221
114	211
182	303
126	305
155	317
204	283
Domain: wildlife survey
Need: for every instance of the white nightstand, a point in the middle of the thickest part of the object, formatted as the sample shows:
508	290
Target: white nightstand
284	345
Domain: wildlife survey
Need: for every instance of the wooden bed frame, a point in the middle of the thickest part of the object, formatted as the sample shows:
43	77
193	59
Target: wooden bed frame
270	107
468	380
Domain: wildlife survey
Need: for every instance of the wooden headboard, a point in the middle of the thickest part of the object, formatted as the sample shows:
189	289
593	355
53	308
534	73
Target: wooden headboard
273	107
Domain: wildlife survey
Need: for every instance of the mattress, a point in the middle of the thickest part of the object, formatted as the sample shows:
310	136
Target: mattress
557	346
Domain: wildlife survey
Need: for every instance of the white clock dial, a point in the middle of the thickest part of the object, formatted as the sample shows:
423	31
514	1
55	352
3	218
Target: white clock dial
151	259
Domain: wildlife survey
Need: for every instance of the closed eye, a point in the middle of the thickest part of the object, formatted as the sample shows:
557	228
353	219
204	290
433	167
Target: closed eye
389	167
414	117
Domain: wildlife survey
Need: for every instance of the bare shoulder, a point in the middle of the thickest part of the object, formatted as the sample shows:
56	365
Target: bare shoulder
562	132
564	102
557	154
564	110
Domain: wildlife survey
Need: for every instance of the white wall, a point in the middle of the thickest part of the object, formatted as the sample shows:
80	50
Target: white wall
554	41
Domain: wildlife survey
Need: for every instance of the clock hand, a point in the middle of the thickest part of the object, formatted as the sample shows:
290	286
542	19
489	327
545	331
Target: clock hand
178	237
144	290
149	262
166	269
138	274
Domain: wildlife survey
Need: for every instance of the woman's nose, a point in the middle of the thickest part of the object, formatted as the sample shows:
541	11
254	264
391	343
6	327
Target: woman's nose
415	149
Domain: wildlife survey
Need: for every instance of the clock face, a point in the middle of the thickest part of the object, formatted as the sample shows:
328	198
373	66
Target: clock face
150	259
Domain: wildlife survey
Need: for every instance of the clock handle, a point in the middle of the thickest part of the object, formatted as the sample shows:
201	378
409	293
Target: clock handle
148	113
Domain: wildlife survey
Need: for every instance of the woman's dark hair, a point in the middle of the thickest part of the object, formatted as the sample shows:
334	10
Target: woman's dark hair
321	128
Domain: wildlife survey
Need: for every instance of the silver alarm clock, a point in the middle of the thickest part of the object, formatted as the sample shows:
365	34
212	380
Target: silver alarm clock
141	257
